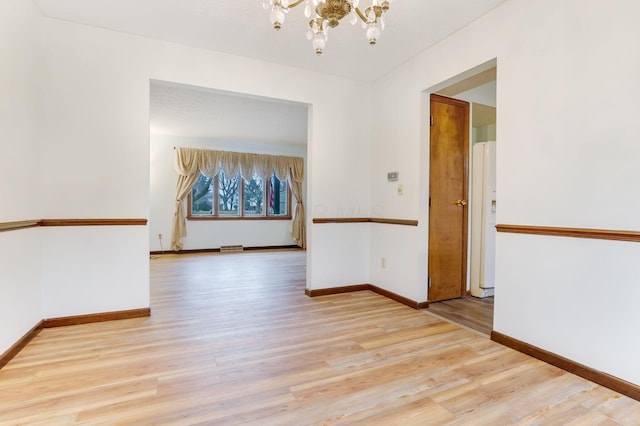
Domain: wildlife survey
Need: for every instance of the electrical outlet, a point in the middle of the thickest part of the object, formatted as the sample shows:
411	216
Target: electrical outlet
383	262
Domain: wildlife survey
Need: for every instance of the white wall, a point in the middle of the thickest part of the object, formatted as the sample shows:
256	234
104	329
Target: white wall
203	234
484	94
89	270
397	269
20	189
96	98
568	99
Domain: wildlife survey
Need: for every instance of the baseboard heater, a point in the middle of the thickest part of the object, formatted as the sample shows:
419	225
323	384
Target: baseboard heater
231	249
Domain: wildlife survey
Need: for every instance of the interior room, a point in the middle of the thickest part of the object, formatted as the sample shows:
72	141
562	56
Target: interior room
346	335
194	117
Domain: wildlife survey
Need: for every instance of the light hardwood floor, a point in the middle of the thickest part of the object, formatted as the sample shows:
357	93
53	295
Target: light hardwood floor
233	340
469	311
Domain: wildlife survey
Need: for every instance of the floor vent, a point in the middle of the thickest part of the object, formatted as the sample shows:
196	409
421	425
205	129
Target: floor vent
231	249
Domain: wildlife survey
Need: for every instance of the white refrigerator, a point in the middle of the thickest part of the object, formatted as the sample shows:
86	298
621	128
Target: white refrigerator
483	219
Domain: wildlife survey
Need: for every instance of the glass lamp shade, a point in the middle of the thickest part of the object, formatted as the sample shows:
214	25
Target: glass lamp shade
373	32
277	17
318	43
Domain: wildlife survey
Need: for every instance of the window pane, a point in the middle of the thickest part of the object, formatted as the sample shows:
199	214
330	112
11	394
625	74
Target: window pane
202	197
278	197
227	195
253	197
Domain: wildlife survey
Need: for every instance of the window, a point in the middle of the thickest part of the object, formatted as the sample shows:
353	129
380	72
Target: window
228	195
278	197
254	197
224	197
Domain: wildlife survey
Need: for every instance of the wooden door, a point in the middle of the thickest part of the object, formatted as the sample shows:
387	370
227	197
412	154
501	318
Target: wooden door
448	177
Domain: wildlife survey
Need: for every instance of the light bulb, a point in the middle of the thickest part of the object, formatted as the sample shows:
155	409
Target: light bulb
277	17
284	3
318	43
373	32
307	11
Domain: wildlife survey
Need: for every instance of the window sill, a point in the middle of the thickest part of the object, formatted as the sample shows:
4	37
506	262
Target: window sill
223	218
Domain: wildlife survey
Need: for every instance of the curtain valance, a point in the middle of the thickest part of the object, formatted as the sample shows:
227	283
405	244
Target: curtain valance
190	162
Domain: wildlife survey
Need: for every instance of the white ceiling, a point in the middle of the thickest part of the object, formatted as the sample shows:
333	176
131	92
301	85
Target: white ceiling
242	27
197	112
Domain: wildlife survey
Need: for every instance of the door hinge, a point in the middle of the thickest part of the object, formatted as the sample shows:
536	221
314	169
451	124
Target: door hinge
429	283
429	201
431	120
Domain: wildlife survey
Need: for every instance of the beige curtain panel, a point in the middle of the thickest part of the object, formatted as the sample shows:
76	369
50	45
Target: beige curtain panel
190	162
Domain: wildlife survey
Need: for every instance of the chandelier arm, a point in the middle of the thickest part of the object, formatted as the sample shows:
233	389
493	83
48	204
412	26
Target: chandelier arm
362	16
295	3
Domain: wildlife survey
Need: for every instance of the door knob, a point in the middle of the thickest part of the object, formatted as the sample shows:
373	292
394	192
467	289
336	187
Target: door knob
460	203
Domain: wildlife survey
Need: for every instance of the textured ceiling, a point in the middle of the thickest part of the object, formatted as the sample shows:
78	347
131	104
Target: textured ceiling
242	27
197	112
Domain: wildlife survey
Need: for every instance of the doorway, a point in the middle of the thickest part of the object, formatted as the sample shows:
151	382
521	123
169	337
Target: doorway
188	116
478	88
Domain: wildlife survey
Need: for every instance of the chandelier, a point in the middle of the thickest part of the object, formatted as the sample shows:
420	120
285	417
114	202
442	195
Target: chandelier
325	14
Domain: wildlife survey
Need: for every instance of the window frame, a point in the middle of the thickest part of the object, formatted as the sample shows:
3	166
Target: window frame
215	215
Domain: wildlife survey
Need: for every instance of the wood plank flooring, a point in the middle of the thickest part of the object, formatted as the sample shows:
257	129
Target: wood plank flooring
232	339
471	312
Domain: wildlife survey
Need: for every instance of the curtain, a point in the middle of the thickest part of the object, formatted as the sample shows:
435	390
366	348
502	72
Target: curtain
298	230
264	167
230	163
247	167
190	162
187	166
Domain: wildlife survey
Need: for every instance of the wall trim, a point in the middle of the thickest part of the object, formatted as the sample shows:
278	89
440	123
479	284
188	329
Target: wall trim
321	220
596	234
93	222
98	317
360	287
336	290
10	353
404	300
621	386
407	222
22	224
217	250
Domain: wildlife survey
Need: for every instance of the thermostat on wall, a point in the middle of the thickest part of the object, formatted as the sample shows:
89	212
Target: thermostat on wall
392	176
